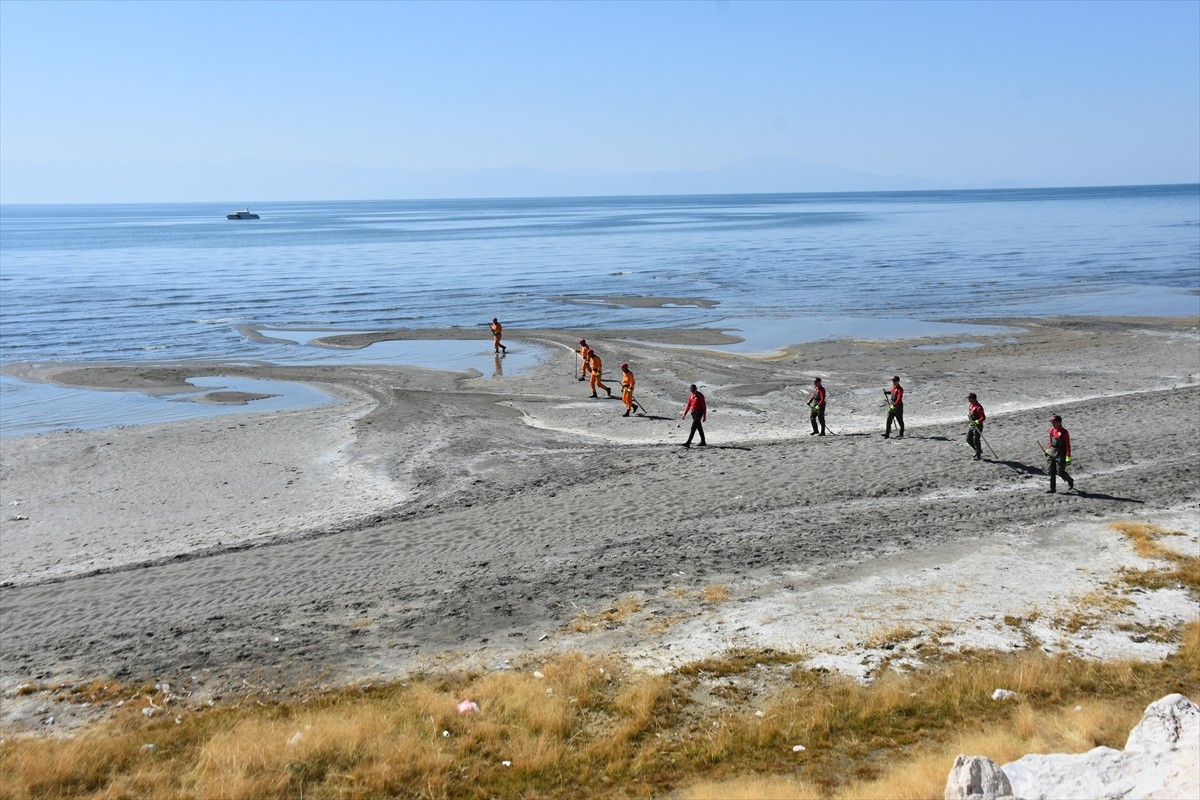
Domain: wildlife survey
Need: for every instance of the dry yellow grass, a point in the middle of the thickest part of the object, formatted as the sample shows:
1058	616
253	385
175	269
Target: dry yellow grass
590	726
891	635
713	593
1092	608
1145	537
617	614
1183	570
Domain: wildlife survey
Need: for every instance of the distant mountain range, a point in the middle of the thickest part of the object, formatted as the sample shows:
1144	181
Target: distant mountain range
251	180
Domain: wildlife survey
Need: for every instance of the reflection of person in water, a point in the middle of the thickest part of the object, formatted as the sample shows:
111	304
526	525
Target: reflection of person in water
499	373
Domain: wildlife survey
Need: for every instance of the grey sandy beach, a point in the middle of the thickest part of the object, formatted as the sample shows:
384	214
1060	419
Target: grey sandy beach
434	518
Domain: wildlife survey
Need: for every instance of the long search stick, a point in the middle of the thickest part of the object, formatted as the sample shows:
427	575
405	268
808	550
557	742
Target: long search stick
989	444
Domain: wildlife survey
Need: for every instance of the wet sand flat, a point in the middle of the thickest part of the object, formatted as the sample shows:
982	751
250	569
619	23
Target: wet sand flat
437	517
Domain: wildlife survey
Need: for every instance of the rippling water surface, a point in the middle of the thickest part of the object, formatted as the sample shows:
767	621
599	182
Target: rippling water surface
168	282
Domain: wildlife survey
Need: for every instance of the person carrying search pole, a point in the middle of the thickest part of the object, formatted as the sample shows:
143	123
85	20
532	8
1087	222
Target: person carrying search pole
816	401
1058	455
596	367
975	420
627	383
895	408
585	353
698	408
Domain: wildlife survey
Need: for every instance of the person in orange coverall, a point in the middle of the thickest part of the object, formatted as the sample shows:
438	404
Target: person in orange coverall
585	351
596	366
627	382
497	330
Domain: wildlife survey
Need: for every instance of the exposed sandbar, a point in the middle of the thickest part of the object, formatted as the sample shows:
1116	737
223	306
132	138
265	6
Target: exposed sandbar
435	513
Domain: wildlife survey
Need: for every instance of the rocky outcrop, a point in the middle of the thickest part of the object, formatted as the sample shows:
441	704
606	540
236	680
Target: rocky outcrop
1161	761
977	778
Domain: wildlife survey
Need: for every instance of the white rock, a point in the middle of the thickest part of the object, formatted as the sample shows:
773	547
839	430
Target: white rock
977	778
1169	724
1161	761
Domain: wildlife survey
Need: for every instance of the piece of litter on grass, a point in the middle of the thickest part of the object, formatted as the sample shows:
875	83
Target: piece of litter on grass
506	763
445	734
759	714
1003	694
538	674
798	748
468	707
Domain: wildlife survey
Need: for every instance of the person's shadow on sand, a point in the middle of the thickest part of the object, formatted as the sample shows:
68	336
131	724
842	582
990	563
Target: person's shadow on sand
1031	470
1018	466
718	447
1100	496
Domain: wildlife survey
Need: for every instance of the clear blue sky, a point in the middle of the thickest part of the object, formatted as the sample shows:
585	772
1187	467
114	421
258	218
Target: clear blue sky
954	93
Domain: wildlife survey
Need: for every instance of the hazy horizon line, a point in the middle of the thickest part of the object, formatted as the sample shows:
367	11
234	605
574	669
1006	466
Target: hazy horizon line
466	198
75	182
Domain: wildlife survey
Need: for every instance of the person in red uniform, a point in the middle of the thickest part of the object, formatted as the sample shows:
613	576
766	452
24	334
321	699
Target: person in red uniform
699	411
895	407
975	419
1058	455
816	401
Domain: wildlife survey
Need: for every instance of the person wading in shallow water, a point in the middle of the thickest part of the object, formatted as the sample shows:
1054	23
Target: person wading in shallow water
699	411
1058	456
497	330
816	402
895	408
975	418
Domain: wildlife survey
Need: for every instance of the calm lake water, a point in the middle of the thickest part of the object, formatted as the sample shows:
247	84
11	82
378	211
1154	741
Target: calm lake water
140	282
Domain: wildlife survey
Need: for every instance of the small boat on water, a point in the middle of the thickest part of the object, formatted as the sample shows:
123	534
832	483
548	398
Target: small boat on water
243	214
